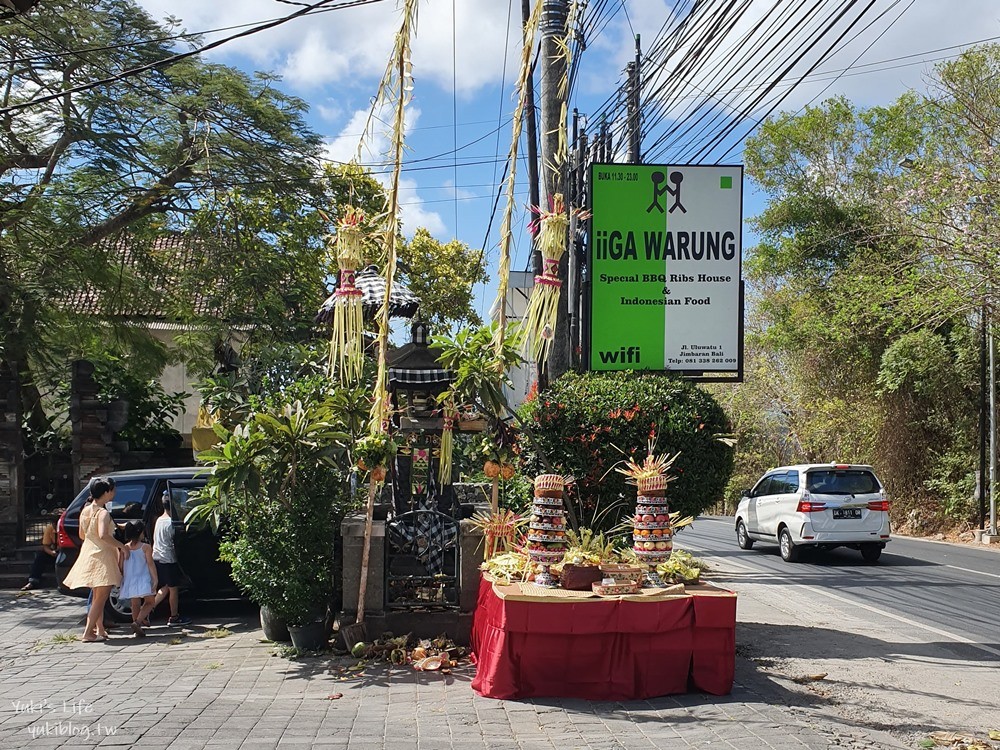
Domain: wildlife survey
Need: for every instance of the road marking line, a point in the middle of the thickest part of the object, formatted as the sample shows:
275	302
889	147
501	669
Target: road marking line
908	621
970	570
899	618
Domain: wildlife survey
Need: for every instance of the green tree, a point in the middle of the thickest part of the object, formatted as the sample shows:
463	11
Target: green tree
850	320
443	276
138	155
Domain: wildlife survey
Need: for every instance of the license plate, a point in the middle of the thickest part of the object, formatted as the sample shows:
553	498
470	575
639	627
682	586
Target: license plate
847	512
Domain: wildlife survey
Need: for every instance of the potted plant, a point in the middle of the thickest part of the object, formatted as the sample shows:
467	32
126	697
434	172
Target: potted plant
278	484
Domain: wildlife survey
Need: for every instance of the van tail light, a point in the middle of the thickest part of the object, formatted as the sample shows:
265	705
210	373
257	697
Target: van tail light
808	506
882	505
62	538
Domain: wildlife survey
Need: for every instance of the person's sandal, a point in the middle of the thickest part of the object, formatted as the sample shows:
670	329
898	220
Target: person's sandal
137	630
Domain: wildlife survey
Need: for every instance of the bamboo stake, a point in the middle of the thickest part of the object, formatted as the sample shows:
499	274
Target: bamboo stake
397	83
503	276
366	549
495	500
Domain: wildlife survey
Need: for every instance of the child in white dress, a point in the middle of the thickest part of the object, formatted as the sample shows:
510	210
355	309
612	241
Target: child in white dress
138	577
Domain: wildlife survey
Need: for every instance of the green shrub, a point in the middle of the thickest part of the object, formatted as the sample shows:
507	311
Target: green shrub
585	424
151	410
279	486
282	556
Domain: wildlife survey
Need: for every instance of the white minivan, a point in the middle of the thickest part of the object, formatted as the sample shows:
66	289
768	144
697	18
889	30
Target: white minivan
821	506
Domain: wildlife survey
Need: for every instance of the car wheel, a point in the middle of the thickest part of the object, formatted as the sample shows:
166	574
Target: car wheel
119	610
742	538
871	552
789	552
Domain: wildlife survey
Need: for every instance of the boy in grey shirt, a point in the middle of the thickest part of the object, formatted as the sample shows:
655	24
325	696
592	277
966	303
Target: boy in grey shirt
168	572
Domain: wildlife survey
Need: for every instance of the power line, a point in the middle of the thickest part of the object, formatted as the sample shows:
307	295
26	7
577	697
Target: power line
789	28
168	61
756	55
454	103
705	150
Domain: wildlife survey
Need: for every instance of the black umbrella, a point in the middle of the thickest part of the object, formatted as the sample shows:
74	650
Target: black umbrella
402	302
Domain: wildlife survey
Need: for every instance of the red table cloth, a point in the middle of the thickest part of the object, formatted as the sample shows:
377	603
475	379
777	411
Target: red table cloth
604	649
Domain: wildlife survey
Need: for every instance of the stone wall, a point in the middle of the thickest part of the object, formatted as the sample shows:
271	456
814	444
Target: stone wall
93	427
11	468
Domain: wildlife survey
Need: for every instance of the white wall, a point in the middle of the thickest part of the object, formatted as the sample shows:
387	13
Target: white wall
175	379
518	293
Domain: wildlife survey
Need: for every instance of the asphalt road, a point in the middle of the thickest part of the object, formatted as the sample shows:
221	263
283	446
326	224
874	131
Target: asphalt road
949	591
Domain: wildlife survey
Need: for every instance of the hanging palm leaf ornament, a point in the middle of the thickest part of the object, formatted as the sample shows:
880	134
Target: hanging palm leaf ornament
346	351
447	444
543	308
553	222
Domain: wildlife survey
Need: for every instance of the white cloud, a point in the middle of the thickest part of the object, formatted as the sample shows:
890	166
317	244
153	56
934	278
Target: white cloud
344	148
414	215
352	45
456	193
331	112
314	61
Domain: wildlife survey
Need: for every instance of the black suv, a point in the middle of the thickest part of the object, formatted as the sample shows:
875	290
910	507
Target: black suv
206	577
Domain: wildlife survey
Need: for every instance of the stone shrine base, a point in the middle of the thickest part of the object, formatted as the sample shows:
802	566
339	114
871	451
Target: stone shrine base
456	624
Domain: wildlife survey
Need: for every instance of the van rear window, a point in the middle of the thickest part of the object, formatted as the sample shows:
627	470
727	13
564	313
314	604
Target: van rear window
842	482
130	498
127	493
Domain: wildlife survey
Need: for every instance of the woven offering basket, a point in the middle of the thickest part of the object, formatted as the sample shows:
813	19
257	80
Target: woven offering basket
549	482
652	486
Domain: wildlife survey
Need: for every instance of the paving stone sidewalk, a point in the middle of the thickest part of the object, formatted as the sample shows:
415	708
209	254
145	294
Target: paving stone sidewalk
192	691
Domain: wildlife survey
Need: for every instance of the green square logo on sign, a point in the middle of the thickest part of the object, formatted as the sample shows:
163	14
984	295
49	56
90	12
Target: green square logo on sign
665	261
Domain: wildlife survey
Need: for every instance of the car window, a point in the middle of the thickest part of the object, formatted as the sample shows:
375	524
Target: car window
763	487
180	495
792	481
842	482
130	499
778	484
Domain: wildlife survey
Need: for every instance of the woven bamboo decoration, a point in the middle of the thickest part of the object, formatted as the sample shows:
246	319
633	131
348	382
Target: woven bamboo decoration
530	33
543	308
447	444
346	348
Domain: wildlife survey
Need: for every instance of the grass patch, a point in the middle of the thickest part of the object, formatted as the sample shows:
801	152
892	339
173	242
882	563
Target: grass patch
59	639
175	641
214	665
218	633
290	652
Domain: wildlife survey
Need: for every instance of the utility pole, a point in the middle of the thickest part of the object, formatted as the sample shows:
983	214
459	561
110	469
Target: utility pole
573	266
993	437
583	183
634	105
554	37
982	418
531	134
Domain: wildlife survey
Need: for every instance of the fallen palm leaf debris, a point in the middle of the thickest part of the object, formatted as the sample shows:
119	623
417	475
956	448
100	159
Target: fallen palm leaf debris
424	655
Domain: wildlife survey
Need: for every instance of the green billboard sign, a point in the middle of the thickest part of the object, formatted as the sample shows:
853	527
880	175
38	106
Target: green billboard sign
665	268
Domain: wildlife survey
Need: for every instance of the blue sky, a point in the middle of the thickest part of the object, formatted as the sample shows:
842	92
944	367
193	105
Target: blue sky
465	59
